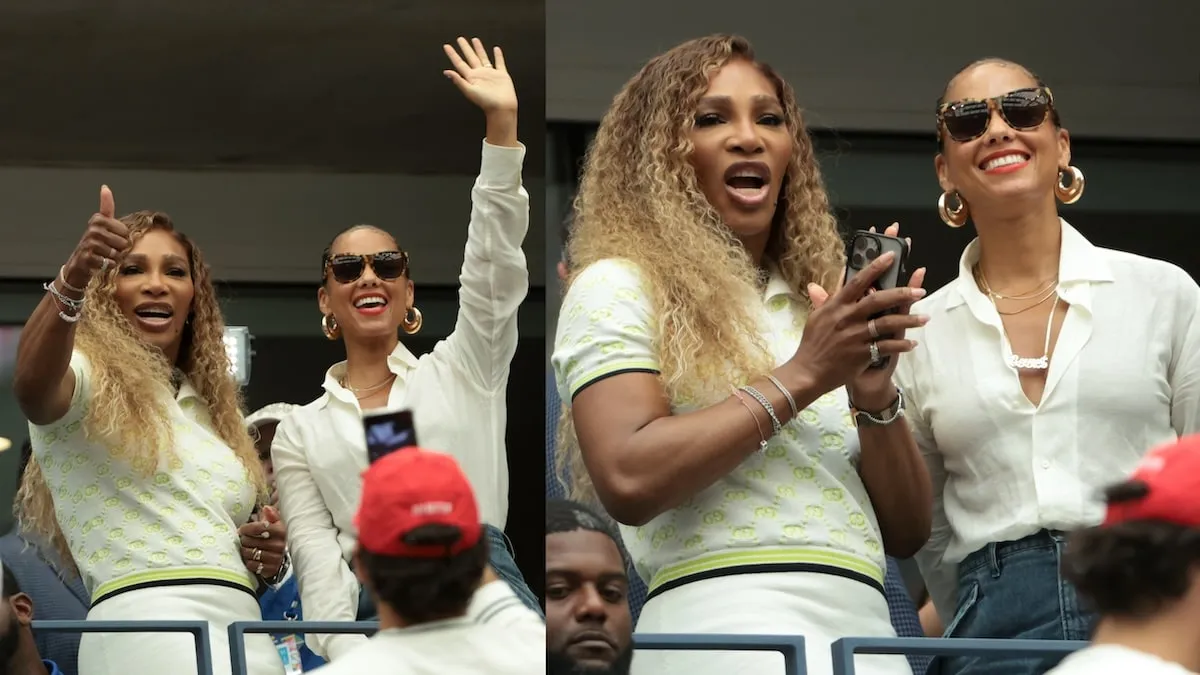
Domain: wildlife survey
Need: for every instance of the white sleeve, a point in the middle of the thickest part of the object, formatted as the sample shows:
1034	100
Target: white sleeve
605	327
1184	373
496	605
328	589
941	578
495	274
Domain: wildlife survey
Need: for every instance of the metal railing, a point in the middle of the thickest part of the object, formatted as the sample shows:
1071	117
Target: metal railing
239	629
198	629
845	649
791	646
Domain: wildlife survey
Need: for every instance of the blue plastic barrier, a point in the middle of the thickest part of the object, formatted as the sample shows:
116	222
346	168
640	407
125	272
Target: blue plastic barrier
791	646
845	649
198	629
238	630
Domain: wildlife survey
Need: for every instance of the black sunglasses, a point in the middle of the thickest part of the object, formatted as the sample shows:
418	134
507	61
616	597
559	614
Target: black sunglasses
348	268
1022	109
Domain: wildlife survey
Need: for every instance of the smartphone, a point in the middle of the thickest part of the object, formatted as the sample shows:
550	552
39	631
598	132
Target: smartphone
864	248
388	431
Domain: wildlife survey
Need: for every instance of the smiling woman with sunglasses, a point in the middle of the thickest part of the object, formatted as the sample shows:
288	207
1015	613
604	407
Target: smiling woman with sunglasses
456	392
1047	369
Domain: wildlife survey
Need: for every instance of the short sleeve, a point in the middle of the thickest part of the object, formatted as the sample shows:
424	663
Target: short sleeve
605	327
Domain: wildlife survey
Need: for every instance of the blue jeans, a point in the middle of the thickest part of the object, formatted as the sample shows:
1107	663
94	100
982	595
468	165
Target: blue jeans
500	557
1015	589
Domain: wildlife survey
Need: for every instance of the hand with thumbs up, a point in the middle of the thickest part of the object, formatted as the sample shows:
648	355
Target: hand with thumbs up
104	241
264	543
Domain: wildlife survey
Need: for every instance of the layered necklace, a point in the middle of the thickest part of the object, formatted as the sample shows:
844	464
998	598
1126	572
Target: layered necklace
1035	299
364	392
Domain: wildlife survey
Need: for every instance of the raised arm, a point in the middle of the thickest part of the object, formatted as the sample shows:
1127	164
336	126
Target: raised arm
495	275
44	382
328	589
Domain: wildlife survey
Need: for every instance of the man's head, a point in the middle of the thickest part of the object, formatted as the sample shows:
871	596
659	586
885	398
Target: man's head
17	648
1143	561
421	549
262	423
589	629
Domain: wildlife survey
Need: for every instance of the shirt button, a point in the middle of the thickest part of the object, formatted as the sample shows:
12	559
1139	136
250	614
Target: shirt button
1045	464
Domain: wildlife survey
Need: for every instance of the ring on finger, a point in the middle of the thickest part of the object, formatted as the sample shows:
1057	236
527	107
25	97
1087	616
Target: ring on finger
257	554
876	357
259	571
873	329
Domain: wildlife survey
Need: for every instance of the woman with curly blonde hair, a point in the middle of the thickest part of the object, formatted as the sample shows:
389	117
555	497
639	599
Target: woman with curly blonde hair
702	248
143	472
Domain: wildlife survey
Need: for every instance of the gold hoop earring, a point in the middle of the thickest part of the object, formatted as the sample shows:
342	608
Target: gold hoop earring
1069	194
412	325
954	217
330	327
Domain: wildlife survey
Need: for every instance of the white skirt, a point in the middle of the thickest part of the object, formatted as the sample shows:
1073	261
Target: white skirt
820	607
174	653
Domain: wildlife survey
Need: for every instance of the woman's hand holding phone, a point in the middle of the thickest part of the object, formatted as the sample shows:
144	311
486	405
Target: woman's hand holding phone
836	347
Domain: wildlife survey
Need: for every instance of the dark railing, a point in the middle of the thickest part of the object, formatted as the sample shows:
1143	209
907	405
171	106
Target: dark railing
198	629
791	646
845	649
238	630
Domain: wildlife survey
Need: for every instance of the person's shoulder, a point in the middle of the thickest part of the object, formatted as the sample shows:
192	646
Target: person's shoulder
1129	266
609	272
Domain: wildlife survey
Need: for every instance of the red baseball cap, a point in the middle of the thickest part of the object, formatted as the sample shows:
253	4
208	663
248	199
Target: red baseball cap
409	489
1172	473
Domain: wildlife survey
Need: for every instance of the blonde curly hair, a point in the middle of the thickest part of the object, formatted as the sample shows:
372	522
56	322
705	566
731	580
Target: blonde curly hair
639	199
127	380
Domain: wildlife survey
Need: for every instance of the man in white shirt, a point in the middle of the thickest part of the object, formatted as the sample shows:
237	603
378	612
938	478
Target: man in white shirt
422	555
1138	569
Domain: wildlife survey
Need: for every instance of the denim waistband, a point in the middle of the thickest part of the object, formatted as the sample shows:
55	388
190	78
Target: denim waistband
989	554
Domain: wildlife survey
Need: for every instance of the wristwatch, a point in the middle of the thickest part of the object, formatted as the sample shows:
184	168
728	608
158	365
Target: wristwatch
880	418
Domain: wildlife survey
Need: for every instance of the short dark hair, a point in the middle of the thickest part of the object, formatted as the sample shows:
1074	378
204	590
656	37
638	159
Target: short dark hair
427	589
1054	117
327	254
565	515
11	587
1133	568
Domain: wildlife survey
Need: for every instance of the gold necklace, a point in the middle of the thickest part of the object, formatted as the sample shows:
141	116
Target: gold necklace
986	288
362	393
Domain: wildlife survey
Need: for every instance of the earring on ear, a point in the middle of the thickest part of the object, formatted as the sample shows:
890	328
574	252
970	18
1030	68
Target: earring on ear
1069	194
330	327
954	217
412	321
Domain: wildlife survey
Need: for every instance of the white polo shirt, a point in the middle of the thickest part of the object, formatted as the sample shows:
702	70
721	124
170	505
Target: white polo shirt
799	501
1116	660
124	528
456	392
497	636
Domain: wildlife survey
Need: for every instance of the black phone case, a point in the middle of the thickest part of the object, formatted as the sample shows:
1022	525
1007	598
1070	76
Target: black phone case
401	425
864	248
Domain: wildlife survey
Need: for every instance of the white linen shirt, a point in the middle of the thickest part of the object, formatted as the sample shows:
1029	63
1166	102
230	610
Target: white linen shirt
456	392
1124	376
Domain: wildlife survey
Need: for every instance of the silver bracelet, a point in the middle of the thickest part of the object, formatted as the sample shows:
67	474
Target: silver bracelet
776	427
69	303
786	394
62	276
890	414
